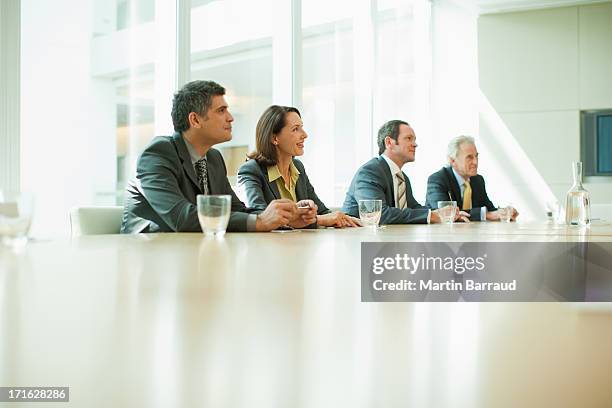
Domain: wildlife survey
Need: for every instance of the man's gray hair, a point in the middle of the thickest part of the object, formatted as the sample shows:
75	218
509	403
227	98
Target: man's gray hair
455	144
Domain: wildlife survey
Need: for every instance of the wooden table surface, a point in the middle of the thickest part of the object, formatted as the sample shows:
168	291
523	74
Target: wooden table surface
275	320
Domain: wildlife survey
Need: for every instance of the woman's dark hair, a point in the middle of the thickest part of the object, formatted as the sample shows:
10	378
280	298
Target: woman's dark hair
270	124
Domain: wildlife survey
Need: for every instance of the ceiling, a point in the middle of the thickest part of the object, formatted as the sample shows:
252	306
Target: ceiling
501	6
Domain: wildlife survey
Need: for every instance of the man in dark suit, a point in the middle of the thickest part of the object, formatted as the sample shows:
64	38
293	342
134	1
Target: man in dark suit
173	170
381	178
461	182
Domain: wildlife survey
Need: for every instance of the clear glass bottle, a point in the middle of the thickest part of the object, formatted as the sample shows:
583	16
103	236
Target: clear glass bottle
578	201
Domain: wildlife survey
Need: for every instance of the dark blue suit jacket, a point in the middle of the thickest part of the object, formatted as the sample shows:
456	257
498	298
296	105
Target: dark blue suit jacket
253	178
373	181
443	186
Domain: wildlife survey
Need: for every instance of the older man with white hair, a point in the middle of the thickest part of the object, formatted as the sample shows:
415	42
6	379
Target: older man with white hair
460	182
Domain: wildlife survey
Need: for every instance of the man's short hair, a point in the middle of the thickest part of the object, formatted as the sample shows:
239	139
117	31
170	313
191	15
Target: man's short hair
391	129
455	144
195	96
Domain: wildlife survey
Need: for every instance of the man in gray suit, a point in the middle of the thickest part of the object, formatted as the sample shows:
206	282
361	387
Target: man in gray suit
173	170
381	178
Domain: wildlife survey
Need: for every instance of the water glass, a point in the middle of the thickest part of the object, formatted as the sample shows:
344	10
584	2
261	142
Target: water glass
16	210
370	212
446	211
214	213
505	213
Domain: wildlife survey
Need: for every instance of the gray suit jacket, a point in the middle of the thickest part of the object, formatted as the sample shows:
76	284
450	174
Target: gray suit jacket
162	198
373	181
253	178
443	186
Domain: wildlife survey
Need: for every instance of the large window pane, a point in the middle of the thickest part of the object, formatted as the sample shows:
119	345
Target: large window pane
89	101
329	96
232	44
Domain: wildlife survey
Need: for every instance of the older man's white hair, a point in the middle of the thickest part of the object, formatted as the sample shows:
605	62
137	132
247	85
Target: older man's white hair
455	144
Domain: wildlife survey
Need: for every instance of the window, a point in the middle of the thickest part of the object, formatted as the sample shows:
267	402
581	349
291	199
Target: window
97	85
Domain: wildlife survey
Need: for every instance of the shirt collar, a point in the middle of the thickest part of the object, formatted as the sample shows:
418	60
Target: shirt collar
274	172
392	166
460	180
192	152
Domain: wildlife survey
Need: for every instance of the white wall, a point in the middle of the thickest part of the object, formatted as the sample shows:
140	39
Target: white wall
538	69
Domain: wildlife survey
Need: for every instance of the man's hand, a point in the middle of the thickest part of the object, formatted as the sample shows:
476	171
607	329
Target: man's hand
462	215
434	218
514	213
492	215
277	213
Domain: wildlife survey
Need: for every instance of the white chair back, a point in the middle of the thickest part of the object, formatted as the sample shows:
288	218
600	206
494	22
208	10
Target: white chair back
95	220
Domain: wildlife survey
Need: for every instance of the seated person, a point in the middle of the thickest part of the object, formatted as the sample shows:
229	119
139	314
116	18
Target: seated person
381	178
272	171
173	170
460	182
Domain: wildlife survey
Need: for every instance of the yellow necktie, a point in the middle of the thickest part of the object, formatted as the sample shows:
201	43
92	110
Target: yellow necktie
467	196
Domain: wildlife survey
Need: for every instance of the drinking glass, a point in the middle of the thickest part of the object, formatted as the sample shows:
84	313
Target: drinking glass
505	213
446	211
369	212
16	210
214	213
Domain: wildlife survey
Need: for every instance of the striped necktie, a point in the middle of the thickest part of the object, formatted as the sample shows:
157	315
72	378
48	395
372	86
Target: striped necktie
401	191
202	172
467	196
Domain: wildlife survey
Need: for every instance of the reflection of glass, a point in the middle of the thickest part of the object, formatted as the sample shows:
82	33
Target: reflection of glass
578	202
369	212
552	212
446	211
16	211
213	213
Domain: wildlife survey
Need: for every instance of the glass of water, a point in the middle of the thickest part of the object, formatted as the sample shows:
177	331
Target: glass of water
369	212
16	210
505	213
214	213
446	211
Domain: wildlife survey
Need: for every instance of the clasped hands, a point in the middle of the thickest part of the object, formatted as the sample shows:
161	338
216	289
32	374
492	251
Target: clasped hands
285	212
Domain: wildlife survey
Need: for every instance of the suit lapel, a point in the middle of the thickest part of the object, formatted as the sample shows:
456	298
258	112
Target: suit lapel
454	186
184	155
389	179
211	170
408	189
271	184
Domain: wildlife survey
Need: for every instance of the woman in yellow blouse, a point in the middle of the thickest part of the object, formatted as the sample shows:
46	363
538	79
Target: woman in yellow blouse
273	172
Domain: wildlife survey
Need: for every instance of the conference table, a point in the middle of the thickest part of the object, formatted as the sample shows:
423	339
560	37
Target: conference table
276	320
